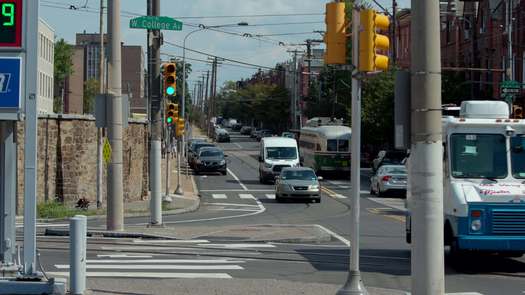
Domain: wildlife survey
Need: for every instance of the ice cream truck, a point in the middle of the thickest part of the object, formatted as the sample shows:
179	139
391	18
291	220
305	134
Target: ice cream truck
484	180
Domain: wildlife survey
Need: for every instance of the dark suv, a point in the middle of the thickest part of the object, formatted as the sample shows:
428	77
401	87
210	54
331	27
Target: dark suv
210	159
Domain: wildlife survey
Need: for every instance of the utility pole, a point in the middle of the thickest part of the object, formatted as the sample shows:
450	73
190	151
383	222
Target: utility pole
102	89
206	97
156	120
394	32
309	60
510	60
426	152
115	215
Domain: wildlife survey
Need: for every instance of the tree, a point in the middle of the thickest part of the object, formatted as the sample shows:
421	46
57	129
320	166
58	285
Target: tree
63	67
91	89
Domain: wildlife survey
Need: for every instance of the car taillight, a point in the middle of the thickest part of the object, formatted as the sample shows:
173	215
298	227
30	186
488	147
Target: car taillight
386	178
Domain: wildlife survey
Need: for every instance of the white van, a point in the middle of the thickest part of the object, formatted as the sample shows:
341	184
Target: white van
275	154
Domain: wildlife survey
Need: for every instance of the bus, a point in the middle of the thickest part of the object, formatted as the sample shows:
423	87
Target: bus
325	148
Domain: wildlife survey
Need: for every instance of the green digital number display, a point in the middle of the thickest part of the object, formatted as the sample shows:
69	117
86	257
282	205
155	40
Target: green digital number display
10	23
8	11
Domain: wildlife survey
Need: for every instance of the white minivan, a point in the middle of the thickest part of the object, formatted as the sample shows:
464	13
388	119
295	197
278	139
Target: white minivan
275	154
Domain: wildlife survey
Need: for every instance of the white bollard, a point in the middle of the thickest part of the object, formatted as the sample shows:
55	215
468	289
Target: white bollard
77	256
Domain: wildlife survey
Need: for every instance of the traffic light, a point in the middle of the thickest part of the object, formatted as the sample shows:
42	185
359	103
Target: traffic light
172	113
170	78
517	111
180	127
370	41
335	37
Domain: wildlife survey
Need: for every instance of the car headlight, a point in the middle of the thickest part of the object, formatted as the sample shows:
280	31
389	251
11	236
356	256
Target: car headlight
222	162
267	165
475	225
313	187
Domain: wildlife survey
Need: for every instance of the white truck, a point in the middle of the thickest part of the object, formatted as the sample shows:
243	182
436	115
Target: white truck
484	180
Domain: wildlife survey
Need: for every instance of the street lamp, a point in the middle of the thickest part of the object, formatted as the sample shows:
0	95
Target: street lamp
183	100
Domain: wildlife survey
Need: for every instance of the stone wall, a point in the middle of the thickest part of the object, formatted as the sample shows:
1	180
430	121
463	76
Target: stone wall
67	159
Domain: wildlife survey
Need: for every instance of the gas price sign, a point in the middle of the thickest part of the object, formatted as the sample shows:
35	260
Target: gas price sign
11	23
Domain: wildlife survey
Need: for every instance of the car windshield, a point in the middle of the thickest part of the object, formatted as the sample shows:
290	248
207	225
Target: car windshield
517	144
396	170
199	146
299	175
281	153
211	153
478	155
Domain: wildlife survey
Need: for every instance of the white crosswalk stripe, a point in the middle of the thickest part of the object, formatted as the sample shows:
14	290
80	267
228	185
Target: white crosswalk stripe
270	196
246	196
339	196
219	196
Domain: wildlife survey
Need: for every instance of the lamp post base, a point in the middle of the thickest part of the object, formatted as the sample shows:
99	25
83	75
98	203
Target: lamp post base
354	285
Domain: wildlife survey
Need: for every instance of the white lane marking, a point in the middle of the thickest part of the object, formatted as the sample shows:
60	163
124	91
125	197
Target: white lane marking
234	190
270	196
259	204
160	261
169	241
339	196
156	266
246	196
238	180
233	209
333	234
238	145
45	225
237	246
219	196
160	275
231	204
344	186
122	256
336	182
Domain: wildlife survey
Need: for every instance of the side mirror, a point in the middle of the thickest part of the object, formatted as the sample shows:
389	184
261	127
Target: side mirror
320	178
226	156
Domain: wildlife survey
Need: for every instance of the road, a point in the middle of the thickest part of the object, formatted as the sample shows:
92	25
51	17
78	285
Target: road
238	199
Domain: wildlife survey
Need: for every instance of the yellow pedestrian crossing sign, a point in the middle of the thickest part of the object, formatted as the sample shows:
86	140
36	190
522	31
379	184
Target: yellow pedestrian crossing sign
106	151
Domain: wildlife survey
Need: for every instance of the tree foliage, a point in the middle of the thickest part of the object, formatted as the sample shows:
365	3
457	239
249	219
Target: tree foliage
63	65
91	88
258	104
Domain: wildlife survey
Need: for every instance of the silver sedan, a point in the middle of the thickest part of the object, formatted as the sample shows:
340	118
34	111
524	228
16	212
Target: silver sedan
389	179
297	182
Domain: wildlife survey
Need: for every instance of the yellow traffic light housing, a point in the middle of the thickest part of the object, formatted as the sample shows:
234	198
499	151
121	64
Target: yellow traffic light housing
172	113
371	43
170	79
335	37
180	127
517	112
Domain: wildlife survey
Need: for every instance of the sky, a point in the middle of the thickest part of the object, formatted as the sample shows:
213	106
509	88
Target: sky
295	19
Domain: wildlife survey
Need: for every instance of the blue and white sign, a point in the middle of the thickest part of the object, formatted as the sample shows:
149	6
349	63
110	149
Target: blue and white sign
10	83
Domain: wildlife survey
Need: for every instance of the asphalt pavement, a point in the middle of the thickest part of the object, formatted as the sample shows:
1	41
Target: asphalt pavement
227	247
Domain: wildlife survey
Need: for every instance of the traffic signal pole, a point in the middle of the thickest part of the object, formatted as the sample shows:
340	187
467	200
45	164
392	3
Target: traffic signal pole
354	284
425	165
156	121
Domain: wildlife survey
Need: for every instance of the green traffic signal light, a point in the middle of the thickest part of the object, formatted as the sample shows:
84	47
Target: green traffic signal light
169	120
170	90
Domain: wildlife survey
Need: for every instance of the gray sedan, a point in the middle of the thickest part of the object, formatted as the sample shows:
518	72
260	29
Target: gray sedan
389	179
297	182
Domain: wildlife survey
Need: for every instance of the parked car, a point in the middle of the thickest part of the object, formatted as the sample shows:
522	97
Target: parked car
194	151
210	159
191	141
389	179
236	127
264	133
222	135
255	132
288	134
390	157
298	182
246	130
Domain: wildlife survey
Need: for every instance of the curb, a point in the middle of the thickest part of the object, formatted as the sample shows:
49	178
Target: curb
109	234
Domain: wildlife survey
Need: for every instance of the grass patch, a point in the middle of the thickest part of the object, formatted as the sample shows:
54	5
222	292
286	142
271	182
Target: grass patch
59	210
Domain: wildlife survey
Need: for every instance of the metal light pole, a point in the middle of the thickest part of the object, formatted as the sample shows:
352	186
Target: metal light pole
354	284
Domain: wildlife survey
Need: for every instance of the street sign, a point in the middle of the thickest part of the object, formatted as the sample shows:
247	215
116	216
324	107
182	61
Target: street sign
510	87
106	151
10	82
155	23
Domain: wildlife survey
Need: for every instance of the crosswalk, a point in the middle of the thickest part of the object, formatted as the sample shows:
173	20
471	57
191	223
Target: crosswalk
243	196
193	264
